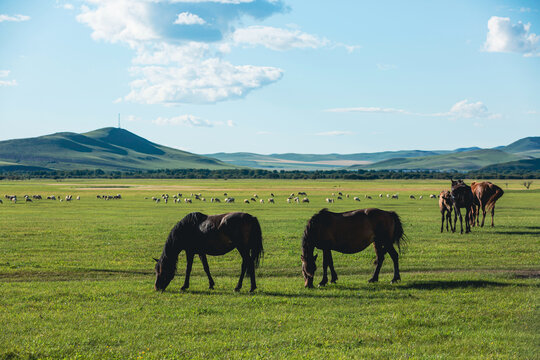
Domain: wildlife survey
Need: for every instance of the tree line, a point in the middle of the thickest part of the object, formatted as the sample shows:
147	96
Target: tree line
265	174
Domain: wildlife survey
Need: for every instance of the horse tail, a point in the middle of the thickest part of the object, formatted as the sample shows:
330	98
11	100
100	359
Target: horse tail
496	196
399	235
256	242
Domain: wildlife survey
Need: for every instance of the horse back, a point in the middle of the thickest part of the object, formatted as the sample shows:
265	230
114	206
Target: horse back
353	231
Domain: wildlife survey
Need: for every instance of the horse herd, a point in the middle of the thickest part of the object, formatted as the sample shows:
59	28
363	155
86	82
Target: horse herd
348	232
480	195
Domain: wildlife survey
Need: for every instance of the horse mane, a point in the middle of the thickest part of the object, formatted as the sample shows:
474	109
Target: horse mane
172	247
312	226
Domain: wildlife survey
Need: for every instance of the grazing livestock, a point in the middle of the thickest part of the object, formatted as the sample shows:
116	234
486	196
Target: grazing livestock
214	235
350	232
302	193
272	195
229	200
78	197
486	195
356	198
412	197
367	197
339	198
305	200
463	198
432	196
261	201
52	197
297	200
246	201
253	199
187	201
1	202
288	200
380	195
395	196
446	203
420	197
329	200
271	201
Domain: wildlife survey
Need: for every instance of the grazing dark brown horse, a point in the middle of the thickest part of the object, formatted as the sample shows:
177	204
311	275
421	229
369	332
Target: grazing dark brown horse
446	203
201	234
486	195
463	198
350	232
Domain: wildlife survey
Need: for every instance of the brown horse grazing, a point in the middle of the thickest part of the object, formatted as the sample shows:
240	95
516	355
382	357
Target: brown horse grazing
463	198
350	232
486	195
446	203
213	235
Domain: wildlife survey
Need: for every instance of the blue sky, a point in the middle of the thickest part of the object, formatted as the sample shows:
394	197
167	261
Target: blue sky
273	76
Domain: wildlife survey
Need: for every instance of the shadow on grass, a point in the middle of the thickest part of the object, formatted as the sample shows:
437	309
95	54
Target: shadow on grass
452	284
517	232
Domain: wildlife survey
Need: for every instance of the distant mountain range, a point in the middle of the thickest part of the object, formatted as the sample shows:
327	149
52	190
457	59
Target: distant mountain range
463	159
118	149
106	149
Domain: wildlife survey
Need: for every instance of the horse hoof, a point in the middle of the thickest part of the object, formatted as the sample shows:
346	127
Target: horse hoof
323	283
252	290
184	288
372	280
237	289
333	281
395	281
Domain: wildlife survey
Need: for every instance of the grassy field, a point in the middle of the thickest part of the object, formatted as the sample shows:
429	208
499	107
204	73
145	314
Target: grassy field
76	278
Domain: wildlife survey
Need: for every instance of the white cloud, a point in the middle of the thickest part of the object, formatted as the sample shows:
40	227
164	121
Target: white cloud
185	120
503	36
5	74
119	21
187	18
462	109
532	112
334	133
231	123
208	81
469	110
234	2
277	38
16	18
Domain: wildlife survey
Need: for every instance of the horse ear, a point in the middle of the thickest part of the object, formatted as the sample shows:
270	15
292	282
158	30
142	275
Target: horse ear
156	259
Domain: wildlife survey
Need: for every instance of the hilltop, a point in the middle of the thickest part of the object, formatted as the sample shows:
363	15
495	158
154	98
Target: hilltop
106	149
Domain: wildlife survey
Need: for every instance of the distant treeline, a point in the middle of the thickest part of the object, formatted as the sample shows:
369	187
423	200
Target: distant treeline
264	174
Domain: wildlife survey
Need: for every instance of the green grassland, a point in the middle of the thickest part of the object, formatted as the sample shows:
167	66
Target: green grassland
76	278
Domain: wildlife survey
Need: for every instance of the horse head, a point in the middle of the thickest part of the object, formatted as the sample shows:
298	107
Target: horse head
164	275
308	268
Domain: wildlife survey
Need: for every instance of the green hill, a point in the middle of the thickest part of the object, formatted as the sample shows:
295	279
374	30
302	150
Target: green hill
519	165
106	149
460	161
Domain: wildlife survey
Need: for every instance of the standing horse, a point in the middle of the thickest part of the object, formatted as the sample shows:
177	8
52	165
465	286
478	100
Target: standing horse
446	203
463	198
201	234
350	232
486	195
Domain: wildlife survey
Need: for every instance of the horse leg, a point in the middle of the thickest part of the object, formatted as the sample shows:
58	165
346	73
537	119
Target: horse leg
243	271
395	258
251	271
189	257
207	270
324	280
379	250
460	220
442	221
467	220
484	214
332	270
492	215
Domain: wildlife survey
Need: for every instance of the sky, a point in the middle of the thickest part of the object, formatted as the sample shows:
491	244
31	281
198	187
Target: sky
274	76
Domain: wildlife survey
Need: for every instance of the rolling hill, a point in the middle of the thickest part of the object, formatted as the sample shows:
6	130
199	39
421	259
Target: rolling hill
106	149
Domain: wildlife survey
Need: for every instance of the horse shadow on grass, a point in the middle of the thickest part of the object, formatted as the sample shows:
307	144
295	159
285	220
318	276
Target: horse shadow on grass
453	284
